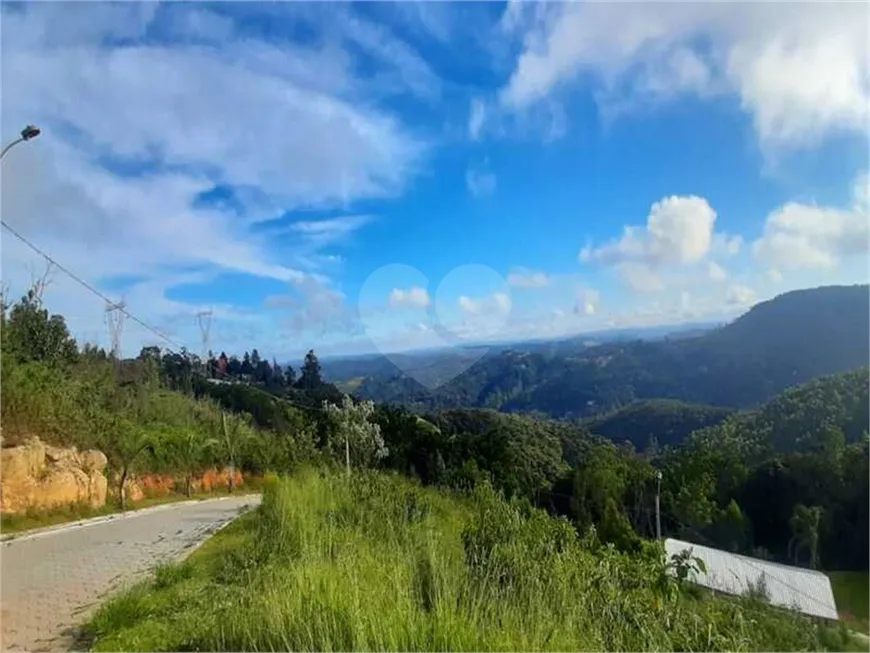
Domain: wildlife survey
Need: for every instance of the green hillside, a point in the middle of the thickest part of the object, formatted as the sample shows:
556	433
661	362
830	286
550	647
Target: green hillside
789	340
664	422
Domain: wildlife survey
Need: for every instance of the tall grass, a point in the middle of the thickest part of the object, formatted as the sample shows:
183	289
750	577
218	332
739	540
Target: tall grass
374	562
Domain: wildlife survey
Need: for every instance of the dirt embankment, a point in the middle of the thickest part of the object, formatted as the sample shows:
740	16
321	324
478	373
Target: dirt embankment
38	476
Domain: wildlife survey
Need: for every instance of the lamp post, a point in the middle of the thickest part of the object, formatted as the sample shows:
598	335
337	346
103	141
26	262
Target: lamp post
658	511
28	133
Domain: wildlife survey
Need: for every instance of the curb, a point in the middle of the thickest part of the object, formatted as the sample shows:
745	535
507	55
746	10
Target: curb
210	534
93	521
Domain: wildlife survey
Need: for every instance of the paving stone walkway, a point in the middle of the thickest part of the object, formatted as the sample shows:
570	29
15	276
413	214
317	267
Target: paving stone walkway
50	582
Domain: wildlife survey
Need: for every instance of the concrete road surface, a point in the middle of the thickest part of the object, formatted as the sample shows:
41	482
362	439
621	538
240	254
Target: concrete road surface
50	581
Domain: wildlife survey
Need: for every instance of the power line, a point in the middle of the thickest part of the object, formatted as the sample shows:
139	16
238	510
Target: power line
87	286
121	308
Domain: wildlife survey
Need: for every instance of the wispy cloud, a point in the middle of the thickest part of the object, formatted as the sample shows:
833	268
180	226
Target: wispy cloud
481	181
143	115
414	297
799	72
523	278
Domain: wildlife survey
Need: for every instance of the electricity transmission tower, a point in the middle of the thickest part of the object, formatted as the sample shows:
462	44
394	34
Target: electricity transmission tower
115	320
204	319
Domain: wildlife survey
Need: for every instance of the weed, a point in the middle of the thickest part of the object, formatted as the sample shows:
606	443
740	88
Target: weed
168	574
375	562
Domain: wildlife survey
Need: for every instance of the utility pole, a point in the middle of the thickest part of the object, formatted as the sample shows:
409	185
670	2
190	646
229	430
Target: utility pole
230	444
658	507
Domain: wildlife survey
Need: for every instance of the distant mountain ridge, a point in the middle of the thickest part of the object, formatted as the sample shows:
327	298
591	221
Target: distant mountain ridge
788	340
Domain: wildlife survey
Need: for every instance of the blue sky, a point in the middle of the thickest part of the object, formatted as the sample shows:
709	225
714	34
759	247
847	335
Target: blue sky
354	177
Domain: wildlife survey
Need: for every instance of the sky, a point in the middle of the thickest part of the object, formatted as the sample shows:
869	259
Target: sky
389	176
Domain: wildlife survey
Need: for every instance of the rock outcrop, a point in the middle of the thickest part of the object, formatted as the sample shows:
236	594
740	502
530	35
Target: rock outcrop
35	475
40	477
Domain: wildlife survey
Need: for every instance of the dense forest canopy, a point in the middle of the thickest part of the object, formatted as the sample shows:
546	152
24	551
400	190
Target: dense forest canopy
780	343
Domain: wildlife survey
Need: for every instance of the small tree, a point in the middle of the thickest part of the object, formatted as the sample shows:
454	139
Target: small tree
32	334
309	378
120	432
357	438
190	450
124	444
234	435
804	525
289	376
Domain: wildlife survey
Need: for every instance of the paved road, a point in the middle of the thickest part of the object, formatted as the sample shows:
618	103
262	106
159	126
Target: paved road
50	582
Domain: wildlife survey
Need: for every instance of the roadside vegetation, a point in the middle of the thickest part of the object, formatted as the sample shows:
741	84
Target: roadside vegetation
140	412
376	562
537	532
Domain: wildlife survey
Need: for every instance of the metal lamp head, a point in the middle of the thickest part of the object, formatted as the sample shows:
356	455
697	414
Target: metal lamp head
31	131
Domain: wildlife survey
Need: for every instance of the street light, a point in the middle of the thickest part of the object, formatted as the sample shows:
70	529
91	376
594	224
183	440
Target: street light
29	132
658	505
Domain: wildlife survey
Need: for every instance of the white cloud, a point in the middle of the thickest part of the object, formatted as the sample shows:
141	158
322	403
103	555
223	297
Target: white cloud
716	272
802	236
522	278
332	227
414	297
480	180
740	295
136	131
468	305
774	275
476	118
411	70
685	302
313	308
321	233
640	277
800	70
861	192
679	230
498	303
502	302
725	245
587	302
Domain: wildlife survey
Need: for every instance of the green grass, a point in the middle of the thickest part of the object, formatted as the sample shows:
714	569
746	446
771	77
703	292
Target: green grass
30	519
851	595
375	562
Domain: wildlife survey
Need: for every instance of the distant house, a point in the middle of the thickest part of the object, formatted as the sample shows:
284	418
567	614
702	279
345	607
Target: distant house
789	587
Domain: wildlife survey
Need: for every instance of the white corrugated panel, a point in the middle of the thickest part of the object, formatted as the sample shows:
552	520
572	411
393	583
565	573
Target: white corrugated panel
798	589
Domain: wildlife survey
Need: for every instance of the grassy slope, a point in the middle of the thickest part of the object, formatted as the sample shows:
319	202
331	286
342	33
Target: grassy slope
851	595
376	563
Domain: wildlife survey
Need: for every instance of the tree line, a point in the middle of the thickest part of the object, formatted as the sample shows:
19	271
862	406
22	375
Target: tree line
787	481
790	339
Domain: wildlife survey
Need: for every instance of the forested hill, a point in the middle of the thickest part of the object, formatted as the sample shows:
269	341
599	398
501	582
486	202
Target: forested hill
655	422
791	339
